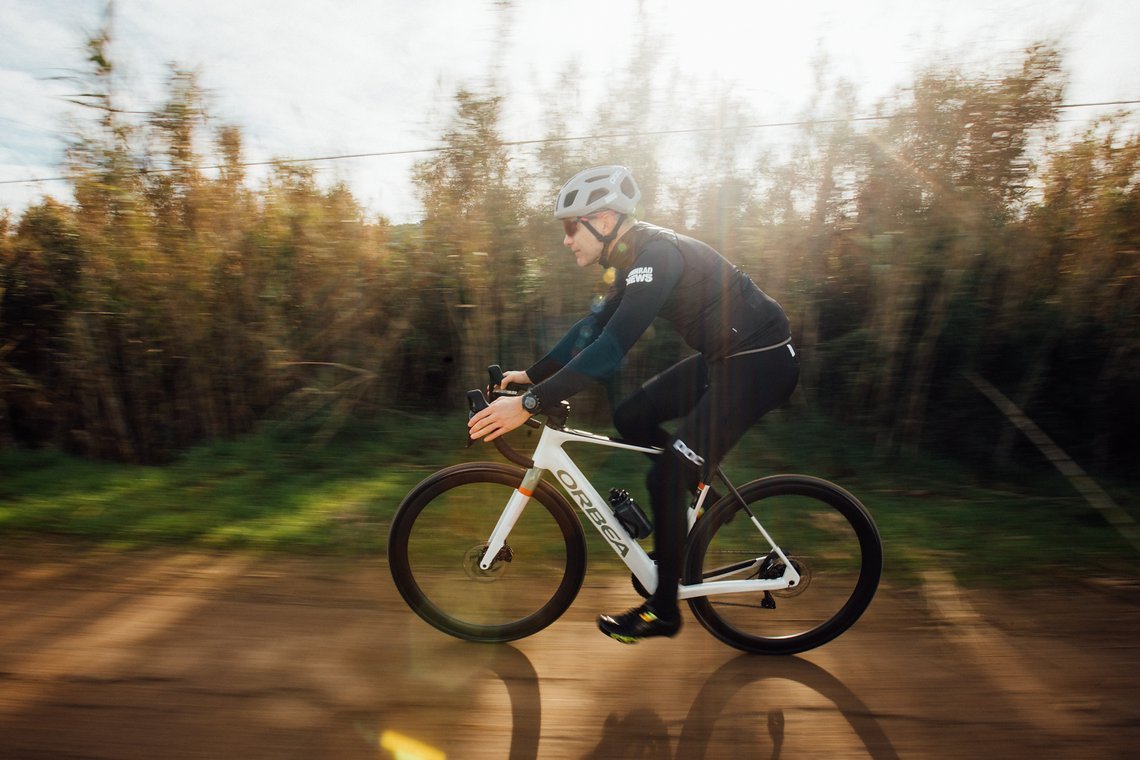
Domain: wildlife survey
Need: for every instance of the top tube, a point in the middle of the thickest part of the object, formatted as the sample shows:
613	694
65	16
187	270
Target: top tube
566	434
554	425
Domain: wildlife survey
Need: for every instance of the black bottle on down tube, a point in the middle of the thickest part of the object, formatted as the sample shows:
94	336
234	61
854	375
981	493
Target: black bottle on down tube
629	514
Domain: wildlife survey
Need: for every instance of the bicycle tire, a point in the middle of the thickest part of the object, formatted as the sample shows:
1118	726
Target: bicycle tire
825	532
441	528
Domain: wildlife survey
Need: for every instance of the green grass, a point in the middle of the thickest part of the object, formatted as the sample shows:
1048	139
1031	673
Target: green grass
266	491
281	491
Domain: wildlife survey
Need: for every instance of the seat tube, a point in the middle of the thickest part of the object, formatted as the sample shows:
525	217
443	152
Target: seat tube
697	507
510	515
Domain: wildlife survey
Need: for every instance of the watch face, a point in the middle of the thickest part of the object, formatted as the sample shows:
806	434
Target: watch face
530	403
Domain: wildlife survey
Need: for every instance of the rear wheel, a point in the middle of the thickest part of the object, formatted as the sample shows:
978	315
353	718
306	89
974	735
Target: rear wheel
439	535
826	534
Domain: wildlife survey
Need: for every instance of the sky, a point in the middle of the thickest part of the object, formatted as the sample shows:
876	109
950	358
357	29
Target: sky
305	79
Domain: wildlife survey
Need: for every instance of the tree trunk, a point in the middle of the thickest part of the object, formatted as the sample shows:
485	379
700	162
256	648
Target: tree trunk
911	424
110	406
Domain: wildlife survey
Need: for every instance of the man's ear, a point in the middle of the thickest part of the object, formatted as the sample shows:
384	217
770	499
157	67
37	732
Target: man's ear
611	217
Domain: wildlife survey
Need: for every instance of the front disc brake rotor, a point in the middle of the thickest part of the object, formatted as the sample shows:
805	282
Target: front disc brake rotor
498	566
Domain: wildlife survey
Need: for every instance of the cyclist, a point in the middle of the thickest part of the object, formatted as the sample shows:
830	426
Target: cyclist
744	367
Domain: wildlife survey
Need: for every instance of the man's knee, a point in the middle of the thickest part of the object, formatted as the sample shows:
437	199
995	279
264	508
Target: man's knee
671	475
635	418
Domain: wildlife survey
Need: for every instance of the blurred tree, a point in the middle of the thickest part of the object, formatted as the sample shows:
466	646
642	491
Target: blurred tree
116	234
939	188
1085	365
175	302
474	208
175	307
39	281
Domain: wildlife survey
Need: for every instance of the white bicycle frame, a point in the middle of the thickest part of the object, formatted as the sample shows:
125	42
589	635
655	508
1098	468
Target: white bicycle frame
550	456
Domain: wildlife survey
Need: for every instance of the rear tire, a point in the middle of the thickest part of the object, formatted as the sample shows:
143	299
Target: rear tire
827	535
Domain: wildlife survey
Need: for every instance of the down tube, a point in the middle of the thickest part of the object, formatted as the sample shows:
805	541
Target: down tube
598	511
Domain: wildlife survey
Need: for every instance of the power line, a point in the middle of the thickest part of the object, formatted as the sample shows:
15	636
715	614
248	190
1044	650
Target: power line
577	138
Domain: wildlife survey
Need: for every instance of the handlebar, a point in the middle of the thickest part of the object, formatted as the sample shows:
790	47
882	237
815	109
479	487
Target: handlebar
477	401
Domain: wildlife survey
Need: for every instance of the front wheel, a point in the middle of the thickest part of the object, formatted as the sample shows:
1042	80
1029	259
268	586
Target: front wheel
827	536
439	535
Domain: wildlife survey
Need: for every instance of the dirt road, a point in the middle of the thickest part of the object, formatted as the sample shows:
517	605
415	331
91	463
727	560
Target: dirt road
187	654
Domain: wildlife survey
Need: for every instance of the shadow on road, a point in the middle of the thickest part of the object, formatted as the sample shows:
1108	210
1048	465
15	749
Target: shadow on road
641	732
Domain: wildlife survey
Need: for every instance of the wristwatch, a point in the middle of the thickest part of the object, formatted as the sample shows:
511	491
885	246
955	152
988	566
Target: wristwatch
530	402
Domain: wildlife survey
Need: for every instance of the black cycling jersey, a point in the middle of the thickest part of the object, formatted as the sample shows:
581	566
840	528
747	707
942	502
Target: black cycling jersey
715	307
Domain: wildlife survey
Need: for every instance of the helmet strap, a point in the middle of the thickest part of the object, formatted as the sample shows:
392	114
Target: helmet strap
605	240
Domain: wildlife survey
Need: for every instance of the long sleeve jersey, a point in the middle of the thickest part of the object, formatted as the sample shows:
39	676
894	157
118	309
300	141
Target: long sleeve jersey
715	307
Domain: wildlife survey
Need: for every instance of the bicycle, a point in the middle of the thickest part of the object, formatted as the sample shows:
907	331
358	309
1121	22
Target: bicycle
474	557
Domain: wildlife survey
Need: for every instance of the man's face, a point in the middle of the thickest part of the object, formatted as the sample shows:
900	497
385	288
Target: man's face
587	248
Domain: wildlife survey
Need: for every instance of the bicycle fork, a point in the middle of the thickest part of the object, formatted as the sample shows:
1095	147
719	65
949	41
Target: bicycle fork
510	516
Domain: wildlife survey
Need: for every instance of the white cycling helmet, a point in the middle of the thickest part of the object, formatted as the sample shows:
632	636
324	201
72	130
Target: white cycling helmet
592	190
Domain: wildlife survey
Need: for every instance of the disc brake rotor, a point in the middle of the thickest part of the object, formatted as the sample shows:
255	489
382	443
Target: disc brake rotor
804	582
773	567
474	556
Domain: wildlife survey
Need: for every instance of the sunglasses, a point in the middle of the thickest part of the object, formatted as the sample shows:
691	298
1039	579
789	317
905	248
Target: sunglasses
571	225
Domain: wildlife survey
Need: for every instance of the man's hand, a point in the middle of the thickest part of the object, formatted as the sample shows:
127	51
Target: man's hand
503	415
515	377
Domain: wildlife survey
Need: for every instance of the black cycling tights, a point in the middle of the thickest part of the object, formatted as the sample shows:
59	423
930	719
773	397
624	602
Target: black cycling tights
717	404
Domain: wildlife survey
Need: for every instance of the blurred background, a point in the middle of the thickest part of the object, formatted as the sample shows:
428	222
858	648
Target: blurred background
226	215
252	254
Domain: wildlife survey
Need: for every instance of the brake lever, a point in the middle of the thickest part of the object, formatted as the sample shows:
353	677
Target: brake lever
476	402
496	389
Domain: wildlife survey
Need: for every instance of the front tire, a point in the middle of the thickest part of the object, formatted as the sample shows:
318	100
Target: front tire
439	534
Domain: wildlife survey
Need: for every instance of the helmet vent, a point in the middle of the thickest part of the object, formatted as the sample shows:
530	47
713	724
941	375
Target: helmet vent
569	199
596	195
628	188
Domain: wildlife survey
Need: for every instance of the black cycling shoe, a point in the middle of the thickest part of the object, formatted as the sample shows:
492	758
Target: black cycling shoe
637	624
